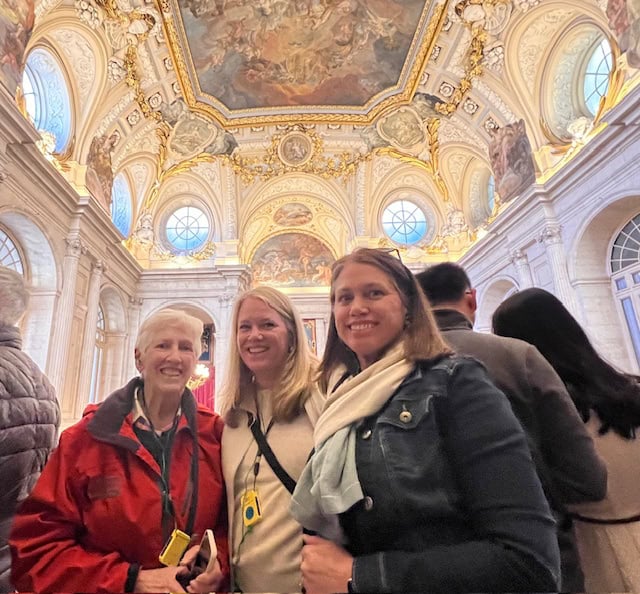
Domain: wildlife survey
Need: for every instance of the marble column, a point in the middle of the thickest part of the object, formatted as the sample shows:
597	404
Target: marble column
129	365
89	337
60	339
521	261
222	334
551	237
360	199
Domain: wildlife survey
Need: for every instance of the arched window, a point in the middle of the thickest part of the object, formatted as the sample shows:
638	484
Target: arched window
9	254
187	228
121	206
404	222
98	352
491	194
47	96
625	268
596	75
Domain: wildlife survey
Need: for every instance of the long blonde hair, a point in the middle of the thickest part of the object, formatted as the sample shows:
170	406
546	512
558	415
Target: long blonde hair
422	338
296	382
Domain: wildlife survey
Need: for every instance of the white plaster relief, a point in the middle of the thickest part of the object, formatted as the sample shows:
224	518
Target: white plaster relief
80	57
115	112
140	173
231	201
535	40
210	173
455	165
45	6
144	141
456	130
381	167
496	101
360	199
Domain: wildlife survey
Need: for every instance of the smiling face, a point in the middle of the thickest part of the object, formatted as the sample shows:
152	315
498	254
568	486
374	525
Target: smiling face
368	311
263	341
168	361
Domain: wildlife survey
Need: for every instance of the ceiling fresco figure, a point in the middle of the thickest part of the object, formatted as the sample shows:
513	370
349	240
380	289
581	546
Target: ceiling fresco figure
511	160
304	52
17	18
99	179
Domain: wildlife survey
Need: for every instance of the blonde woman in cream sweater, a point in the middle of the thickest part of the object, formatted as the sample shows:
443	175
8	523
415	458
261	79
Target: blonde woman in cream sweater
269	384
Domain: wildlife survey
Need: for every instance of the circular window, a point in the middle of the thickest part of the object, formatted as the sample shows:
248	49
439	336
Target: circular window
596	76
404	222
187	228
46	96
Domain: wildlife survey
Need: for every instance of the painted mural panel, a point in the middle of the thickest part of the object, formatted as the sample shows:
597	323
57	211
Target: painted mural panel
624	20
16	24
292	214
271	53
511	160
292	260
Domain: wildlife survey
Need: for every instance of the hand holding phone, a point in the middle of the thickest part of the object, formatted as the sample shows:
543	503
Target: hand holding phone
205	560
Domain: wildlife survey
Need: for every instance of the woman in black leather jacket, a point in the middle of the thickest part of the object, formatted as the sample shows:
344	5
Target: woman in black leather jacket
421	478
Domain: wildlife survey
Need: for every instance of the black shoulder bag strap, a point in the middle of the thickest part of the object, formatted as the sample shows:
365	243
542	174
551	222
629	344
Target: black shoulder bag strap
270	457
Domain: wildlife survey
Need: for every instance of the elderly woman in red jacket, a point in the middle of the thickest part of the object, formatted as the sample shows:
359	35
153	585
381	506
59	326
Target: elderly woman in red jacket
137	468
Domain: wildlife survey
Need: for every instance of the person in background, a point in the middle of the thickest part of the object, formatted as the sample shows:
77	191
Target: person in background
137	466
268	389
607	533
421	478
29	414
564	454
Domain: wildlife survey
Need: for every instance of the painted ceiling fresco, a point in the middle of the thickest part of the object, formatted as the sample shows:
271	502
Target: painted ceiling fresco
267	55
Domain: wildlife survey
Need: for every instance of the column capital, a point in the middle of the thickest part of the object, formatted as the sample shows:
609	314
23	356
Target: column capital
4	176
519	258
551	234
135	302
75	246
98	267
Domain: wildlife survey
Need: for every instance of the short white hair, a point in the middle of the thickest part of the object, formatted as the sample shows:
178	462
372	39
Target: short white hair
14	296
170	317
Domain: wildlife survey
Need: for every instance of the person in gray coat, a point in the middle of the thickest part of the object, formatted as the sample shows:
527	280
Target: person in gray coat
29	414
566	460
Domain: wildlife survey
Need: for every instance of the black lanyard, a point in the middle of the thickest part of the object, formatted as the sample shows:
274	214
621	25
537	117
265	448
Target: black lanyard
265	449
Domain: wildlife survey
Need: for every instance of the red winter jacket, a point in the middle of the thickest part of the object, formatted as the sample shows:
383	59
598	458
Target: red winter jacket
97	507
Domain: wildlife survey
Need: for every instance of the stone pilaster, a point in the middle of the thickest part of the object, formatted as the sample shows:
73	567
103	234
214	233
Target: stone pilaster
60	339
89	337
521	261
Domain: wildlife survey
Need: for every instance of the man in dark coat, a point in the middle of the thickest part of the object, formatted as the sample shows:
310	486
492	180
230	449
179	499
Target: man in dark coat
564	455
29	414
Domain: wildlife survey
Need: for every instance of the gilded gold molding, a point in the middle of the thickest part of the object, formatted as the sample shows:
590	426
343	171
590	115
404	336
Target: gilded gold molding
271	164
432	166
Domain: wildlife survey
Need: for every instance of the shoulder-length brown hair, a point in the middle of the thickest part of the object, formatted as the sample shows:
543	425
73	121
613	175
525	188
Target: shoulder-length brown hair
422	339
296	382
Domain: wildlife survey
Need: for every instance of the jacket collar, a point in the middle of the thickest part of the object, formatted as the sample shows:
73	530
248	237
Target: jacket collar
110	422
452	319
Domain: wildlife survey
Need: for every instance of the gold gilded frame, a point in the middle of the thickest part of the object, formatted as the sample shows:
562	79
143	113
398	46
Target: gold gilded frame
174	32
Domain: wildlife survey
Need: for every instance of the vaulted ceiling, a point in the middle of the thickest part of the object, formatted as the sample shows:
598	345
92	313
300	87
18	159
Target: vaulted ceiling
333	103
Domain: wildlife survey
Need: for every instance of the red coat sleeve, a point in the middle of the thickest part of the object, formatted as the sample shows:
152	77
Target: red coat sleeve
46	552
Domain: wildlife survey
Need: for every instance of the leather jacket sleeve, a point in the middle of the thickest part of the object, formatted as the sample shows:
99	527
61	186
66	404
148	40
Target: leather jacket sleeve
576	472
511	545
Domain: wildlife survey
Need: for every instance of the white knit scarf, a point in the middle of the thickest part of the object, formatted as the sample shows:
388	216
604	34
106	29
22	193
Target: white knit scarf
329	483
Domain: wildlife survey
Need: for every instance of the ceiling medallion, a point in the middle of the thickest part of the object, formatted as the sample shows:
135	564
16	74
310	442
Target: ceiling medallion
295	149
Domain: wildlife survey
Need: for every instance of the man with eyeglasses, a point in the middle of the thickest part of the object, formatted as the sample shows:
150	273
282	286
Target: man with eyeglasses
567	464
